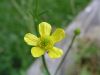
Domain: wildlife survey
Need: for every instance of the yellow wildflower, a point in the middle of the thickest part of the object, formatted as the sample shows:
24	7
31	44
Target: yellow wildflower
44	44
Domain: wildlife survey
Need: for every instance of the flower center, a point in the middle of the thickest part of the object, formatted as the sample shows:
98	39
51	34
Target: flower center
45	43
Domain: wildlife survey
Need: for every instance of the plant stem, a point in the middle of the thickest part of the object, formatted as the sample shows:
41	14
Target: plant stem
45	66
36	17
36	21
62	61
36	7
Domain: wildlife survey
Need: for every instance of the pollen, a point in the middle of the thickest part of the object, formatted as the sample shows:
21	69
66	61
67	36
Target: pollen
45	43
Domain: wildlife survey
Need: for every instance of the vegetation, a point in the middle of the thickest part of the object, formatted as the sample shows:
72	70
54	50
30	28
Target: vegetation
17	17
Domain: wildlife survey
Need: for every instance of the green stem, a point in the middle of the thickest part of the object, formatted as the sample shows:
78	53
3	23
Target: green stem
36	9
36	19
45	66
67	51
72	4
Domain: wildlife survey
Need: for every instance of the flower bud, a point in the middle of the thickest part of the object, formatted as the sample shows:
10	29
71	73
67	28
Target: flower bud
77	31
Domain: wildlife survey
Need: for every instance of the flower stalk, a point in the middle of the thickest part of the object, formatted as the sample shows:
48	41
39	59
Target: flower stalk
45	65
76	33
67	51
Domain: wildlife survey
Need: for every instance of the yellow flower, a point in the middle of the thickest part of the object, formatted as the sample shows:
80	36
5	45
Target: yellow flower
44	44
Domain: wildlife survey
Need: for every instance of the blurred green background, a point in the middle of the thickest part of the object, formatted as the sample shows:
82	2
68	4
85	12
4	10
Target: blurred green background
17	17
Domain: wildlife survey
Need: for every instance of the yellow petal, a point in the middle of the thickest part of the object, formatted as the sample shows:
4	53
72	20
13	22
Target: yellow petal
58	35
31	39
37	51
44	29
55	53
